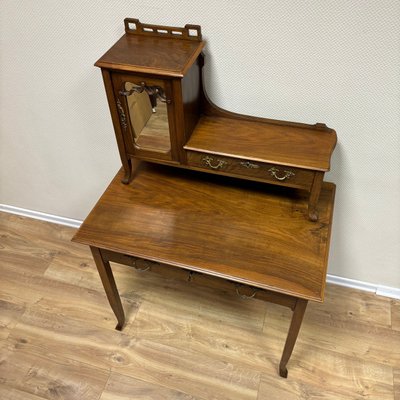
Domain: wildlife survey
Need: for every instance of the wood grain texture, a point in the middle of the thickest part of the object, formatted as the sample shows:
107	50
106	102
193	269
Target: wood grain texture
395	315
181	339
361	337
10	393
9	316
320	374
165	57
260	227
50	379
396	382
352	305
124	387
264	142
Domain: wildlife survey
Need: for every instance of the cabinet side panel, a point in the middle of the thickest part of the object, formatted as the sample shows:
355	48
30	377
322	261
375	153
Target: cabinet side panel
116	122
191	96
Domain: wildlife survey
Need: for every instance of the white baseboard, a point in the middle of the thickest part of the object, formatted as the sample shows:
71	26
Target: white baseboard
74	223
351	283
380	290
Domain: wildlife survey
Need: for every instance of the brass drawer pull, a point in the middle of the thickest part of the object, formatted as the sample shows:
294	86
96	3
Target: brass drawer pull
142	265
275	171
208	161
249	165
244	296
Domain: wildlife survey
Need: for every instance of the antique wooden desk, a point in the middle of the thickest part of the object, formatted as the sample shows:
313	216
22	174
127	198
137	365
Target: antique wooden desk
247	236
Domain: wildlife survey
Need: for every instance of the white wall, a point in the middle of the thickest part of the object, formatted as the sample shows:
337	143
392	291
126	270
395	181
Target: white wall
332	61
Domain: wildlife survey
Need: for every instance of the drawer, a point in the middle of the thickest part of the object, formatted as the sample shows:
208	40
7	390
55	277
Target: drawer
268	172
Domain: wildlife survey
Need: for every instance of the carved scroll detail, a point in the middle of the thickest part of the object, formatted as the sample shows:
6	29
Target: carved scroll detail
122	116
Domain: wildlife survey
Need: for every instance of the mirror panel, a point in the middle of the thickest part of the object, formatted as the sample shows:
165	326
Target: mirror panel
148	116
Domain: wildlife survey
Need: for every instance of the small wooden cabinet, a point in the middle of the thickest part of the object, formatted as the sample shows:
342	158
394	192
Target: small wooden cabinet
161	113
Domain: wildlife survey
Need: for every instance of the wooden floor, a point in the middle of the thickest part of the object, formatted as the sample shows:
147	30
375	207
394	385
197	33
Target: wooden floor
57	337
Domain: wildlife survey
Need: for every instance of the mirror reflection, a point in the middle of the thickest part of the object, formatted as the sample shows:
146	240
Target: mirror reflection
149	118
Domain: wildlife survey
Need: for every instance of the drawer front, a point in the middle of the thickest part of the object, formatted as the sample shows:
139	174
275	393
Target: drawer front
272	173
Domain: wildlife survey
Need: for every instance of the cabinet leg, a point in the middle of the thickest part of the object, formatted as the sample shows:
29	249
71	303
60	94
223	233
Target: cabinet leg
314	196
295	324
107	278
130	170
127	164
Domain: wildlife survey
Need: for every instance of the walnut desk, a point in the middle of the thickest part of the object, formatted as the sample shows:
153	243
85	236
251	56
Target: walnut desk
247	236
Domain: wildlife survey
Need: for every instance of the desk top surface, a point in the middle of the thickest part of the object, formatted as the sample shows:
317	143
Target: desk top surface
248	232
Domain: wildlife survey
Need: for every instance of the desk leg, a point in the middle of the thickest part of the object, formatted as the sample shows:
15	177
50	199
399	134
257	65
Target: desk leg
107	278
297	318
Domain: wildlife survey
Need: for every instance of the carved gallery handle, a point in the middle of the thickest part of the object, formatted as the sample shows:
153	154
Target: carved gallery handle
209	162
286	174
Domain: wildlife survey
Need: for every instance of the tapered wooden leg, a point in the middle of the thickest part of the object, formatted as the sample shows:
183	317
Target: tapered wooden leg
314	196
107	278
297	318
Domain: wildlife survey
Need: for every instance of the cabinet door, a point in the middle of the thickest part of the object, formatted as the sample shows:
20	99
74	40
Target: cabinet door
146	115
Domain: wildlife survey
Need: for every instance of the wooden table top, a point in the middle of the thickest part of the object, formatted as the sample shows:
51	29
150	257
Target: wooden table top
248	232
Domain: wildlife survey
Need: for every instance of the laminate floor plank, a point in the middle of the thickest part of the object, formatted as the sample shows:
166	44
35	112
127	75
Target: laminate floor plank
64	299
121	387
193	302
200	333
37	375
42	332
186	370
9	316
35	233
396	383
395	314
9	393
75	268
357	338
297	388
15	286
346	304
318	373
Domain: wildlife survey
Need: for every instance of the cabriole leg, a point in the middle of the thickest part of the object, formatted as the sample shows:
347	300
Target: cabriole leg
107	278
127	164
297	318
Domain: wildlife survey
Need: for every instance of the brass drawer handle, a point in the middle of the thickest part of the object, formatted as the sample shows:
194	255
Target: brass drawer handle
249	165
244	296
275	171
208	161
142	265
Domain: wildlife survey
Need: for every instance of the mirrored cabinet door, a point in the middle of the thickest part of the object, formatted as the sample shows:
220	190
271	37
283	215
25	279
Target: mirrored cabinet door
143	107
